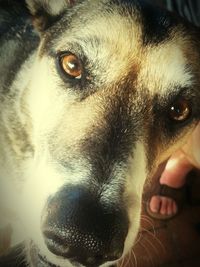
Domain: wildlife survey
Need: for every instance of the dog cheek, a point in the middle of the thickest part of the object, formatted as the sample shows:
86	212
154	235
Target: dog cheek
136	177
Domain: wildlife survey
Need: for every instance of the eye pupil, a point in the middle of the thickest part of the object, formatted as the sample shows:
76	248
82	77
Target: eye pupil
180	110
71	66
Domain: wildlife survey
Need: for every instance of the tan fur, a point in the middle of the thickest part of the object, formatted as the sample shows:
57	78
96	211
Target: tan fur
55	123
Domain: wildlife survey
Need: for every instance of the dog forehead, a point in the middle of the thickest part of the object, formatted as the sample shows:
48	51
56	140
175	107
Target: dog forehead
124	37
164	68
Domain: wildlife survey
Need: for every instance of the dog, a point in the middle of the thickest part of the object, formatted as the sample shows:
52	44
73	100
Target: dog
94	95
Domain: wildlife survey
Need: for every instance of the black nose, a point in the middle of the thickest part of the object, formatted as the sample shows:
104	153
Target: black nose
81	227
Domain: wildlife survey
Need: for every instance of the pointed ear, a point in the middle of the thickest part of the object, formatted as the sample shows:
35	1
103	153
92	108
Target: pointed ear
46	12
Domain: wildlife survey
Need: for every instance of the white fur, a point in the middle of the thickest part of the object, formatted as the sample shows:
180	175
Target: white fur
59	122
134	189
164	68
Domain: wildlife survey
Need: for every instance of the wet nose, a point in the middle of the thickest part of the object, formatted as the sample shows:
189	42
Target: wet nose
77	226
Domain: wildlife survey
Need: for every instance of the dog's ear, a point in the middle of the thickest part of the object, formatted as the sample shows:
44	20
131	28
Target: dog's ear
46	12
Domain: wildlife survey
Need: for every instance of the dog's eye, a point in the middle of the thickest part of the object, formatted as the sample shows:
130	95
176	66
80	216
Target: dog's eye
180	110
71	65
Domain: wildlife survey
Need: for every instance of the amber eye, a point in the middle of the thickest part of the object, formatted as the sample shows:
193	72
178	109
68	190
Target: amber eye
180	110
71	65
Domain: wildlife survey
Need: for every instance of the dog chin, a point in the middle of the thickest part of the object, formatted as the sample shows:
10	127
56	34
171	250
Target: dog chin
37	258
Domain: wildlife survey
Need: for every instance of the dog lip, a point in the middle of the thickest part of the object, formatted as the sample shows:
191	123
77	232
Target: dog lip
74	263
38	259
44	261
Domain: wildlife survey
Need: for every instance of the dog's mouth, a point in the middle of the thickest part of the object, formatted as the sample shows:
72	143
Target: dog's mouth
44	262
37	259
40	260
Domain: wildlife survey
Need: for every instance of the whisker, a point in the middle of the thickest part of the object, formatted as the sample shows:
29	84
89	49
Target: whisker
139	236
153	235
121	262
135	258
128	259
146	219
148	253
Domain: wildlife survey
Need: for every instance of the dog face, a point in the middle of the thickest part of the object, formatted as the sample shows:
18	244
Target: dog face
114	90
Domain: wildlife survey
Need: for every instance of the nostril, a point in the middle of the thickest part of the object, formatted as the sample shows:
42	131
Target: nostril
57	239
56	244
92	253
51	235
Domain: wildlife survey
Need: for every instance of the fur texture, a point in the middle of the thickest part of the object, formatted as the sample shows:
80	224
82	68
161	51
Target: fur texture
94	141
